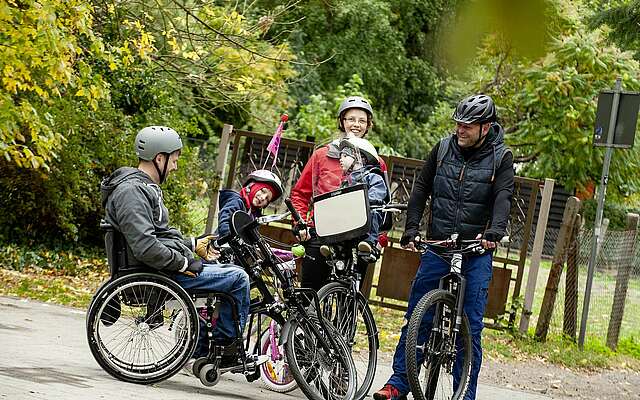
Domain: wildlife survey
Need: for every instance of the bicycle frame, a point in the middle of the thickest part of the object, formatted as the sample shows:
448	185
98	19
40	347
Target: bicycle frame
455	283
244	246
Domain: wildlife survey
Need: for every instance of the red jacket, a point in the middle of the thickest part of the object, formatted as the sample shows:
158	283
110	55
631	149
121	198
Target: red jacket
320	175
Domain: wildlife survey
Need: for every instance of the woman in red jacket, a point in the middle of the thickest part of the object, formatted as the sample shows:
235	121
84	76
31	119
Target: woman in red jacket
323	174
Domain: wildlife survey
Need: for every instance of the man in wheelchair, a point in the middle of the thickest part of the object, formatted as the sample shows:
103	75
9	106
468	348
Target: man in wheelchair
133	202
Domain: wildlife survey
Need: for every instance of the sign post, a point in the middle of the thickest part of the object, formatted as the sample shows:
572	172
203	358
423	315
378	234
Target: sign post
619	120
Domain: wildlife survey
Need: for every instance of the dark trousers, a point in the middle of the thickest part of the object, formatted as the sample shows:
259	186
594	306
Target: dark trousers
314	272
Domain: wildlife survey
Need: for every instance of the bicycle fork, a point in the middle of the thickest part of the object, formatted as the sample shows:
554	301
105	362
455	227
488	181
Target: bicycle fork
455	283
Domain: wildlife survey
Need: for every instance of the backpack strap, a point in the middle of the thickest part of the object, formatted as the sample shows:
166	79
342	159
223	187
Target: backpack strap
443	149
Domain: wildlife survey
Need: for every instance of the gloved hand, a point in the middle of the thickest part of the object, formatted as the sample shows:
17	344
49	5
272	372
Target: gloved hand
492	236
202	245
195	266
301	232
409	237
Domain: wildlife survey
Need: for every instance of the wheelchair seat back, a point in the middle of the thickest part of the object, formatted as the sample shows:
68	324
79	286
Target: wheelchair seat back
118	253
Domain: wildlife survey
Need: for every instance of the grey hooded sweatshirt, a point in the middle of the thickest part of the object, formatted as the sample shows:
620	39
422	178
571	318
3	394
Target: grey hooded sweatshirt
134	206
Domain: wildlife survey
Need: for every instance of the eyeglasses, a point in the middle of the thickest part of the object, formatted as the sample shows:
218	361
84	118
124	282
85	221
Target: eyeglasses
353	120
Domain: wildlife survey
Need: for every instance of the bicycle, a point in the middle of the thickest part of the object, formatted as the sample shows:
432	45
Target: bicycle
348	310
318	358
275	373
438	334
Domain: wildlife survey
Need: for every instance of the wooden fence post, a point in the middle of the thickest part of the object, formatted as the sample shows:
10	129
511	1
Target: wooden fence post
566	229
622	283
570	318
221	163
536	253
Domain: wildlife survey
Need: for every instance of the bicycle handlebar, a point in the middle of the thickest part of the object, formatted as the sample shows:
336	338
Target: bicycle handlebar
390	207
293	211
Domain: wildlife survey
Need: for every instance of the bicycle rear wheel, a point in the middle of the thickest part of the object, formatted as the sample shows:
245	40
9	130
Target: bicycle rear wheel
433	346
350	314
322	374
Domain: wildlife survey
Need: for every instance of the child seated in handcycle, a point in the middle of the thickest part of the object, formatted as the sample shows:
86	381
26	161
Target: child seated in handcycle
360	165
261	188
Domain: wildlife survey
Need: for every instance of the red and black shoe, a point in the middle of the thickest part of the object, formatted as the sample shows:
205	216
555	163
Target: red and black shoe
389	392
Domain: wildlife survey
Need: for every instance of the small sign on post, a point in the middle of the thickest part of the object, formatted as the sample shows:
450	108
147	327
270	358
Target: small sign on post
626	119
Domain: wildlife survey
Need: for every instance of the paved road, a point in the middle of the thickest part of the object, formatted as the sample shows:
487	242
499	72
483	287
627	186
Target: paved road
44	355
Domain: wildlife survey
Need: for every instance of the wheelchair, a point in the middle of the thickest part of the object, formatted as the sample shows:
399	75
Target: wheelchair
142	327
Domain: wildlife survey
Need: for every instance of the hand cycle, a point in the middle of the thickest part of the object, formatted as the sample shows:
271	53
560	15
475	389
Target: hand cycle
438	332
347	308
263	334
317	357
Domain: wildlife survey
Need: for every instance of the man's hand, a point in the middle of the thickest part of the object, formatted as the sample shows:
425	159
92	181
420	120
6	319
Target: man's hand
195	266
409	240
202	246
487	244
301	232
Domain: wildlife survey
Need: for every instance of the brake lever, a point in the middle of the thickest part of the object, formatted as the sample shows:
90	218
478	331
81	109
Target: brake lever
265	219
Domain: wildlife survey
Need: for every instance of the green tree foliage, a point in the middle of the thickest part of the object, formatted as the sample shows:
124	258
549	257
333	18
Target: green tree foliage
78	82
623	19
44	56
548	105
387	43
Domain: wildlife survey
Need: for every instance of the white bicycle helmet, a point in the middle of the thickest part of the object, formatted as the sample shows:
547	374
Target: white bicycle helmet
367	151
154	140
263	175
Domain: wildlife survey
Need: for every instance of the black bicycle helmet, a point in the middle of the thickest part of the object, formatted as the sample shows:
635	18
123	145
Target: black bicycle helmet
475	109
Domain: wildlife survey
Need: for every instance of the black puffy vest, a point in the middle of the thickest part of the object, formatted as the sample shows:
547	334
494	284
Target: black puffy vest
462	198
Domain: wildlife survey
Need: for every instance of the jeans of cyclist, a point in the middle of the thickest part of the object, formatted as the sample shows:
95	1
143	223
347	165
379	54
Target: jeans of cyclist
225	278
477	270
374	230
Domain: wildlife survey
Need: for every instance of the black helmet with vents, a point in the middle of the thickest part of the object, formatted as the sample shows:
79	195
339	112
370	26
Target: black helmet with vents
475	109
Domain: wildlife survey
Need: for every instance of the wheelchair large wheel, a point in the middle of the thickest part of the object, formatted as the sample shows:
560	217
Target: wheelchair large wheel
142	328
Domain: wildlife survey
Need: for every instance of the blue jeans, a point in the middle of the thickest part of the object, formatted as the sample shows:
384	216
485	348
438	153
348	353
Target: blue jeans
225	278
374	230
477	270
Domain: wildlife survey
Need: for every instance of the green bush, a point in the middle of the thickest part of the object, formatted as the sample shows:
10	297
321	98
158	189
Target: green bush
616	213
63	204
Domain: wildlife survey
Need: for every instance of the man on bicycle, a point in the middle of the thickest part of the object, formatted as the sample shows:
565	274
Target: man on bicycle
134	205
469	178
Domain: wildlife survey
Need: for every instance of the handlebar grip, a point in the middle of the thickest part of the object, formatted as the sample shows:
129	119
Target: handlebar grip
223	240
294	212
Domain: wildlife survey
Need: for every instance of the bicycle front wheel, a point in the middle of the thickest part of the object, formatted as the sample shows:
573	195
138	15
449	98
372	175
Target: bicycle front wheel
321	373
350	314
444	356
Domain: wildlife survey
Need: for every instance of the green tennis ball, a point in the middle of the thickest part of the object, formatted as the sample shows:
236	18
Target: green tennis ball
298	250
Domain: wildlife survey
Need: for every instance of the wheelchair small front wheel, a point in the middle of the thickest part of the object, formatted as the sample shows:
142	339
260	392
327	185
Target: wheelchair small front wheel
142	328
